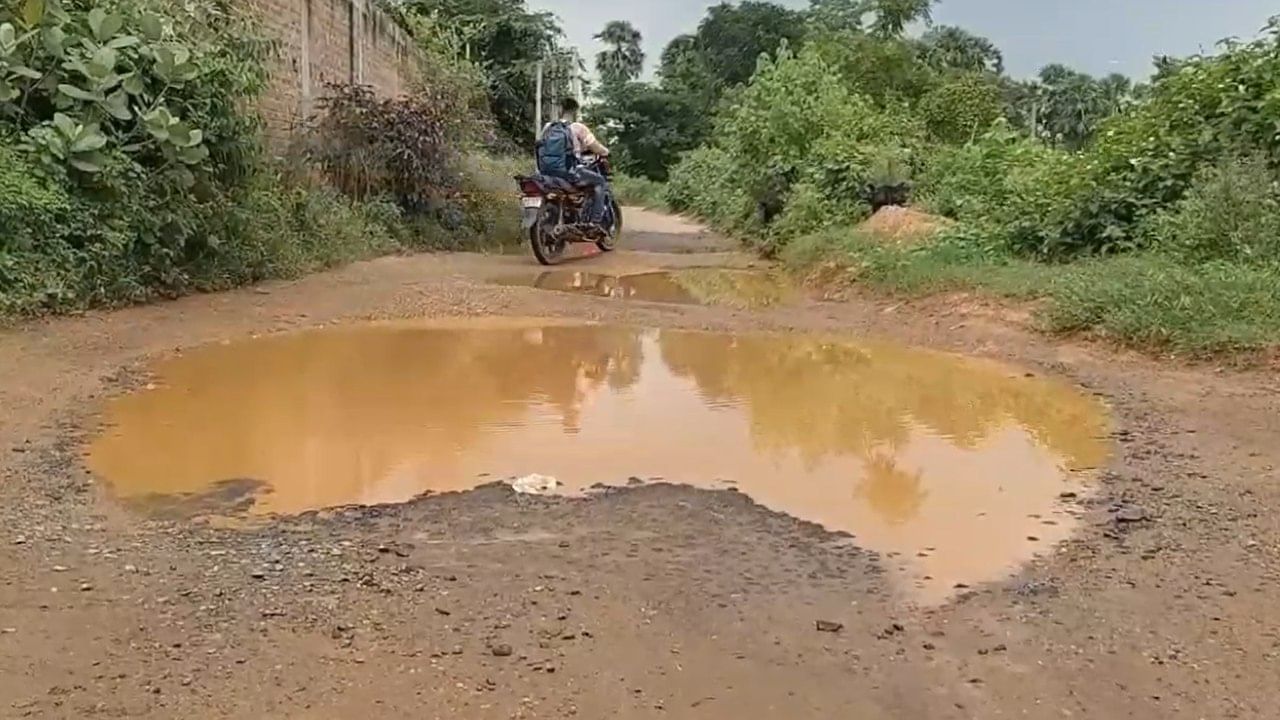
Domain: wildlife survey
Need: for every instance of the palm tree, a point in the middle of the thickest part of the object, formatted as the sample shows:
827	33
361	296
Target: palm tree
893	16
954	48
624	60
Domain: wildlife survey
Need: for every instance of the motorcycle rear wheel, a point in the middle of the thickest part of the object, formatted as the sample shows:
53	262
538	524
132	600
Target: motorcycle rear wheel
546	248
610	240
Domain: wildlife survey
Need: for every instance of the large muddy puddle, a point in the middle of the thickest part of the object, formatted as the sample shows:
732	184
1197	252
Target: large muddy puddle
951	467
747	289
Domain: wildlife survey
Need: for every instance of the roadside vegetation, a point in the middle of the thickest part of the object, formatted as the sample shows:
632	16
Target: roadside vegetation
1149	214
133	166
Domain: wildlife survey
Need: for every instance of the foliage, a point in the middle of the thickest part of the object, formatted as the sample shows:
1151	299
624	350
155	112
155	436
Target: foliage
132	218
403	148
506	40
1231	212
87	82
624	60
647	127
886	70
731	38
948	48
961	108
798	125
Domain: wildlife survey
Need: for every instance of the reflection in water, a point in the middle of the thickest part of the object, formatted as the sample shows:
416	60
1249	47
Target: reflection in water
907	450
693	286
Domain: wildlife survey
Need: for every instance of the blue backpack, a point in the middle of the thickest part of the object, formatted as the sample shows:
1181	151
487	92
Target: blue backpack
555	150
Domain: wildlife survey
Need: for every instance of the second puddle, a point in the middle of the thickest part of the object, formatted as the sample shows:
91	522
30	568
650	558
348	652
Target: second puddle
952	465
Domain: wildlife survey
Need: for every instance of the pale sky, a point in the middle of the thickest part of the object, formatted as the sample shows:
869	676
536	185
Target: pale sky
1097	36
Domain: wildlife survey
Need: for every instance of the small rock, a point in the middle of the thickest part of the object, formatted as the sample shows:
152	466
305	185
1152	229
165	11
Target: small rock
501	650
85	587
633	480
1068	495
1132	514
828	626
20	540
258	574
60	568
442	611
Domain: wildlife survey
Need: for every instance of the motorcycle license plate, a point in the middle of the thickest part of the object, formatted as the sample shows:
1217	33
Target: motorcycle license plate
531	202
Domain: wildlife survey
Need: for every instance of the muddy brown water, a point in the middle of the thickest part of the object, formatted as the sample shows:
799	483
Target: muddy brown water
751	289
952	467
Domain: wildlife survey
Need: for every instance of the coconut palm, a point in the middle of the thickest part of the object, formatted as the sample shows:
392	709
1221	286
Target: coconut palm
953	48
624	60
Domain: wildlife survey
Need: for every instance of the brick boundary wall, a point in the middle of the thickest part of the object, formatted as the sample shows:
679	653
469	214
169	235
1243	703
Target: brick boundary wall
327	41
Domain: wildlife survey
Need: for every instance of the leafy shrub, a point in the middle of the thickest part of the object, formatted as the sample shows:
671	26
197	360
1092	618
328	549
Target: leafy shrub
1231	212
796	138
91	79
368	146
962	108
1146	159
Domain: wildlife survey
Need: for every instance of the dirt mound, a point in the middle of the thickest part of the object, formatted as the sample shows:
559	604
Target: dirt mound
902	225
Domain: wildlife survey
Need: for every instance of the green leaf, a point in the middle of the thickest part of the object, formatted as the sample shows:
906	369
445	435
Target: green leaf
104	25
180	134
117	105
158	122
90	139
90	162
54	41
96	17
193	155
57	146
65	125
26	72
32	12
72	91
152	27
132	84
8	93
185	72
105	57
8	39
123	41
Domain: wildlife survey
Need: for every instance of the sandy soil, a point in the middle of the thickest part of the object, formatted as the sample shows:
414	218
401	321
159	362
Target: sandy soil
658	601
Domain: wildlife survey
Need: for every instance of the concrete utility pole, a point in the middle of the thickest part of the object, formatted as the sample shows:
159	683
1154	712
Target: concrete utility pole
537	108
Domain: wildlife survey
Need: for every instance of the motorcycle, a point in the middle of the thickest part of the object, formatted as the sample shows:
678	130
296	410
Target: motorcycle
555	214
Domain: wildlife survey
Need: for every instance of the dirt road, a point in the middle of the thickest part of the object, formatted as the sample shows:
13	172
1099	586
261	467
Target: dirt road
659	600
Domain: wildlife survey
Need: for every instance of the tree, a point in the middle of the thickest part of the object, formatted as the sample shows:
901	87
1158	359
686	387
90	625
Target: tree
953	48
507	41
624	60
731	38
648	127
893	16
1066	106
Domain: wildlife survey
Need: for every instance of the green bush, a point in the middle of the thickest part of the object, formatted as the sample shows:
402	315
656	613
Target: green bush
1146	159
797	138
962	107
1231	212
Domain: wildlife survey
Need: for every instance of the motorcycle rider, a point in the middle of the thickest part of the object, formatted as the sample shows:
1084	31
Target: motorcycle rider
560	151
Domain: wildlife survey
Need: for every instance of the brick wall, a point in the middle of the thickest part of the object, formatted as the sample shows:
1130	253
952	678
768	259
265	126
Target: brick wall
325	41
